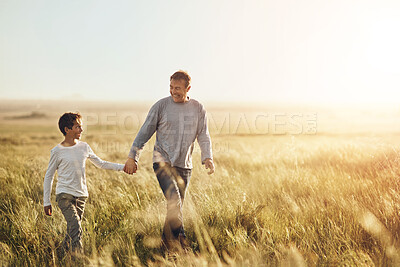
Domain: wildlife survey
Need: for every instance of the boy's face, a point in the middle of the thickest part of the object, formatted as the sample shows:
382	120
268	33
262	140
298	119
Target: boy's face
76	130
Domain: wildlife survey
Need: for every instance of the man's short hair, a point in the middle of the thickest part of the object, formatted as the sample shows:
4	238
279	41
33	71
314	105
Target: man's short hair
181	75
67	120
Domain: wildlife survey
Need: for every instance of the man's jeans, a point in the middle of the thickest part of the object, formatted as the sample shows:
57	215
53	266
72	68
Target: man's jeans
72	208
173	182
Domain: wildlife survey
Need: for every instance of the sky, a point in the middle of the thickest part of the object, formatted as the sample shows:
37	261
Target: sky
286	51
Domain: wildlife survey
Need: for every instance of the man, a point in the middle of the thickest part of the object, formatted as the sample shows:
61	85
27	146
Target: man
178	121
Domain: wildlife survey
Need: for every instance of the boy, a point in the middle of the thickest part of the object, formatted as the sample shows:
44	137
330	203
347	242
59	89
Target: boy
69	158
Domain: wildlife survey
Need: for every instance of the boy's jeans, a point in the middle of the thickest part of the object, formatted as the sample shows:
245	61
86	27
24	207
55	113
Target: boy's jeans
72	208
173	182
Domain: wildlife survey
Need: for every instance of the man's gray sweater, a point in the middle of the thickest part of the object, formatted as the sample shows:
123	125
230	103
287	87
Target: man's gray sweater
177	126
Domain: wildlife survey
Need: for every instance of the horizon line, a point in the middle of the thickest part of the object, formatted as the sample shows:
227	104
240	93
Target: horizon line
211	102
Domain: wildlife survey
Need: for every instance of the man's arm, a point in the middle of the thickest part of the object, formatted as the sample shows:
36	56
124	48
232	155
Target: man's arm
209	164
204	140
130	166
147	130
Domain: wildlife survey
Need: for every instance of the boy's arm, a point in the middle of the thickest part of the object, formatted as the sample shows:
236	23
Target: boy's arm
99	163
48	182
48	210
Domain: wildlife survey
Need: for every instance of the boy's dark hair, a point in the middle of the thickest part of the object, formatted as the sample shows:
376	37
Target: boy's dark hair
67	120
181	75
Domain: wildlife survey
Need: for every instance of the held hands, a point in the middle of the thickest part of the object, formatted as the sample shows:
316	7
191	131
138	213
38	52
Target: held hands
209	164
130	166
48	210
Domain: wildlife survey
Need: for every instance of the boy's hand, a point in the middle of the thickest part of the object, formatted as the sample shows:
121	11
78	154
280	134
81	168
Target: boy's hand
209	164
130	166
48	210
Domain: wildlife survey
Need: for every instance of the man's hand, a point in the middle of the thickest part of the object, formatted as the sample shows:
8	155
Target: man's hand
130	166
48	210
209	164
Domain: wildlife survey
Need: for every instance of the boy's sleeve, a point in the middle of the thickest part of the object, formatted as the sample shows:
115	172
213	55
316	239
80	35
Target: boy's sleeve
147	130
203	136
48	178
99	163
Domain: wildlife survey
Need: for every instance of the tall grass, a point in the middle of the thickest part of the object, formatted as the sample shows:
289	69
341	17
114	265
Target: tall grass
274	200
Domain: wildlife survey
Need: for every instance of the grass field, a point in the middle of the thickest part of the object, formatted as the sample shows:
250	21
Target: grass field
321	190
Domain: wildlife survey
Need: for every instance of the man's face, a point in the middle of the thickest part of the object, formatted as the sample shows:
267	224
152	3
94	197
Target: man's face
76	130
178	90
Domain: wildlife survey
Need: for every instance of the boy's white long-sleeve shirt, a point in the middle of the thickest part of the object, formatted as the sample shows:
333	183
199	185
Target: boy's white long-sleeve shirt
69	162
